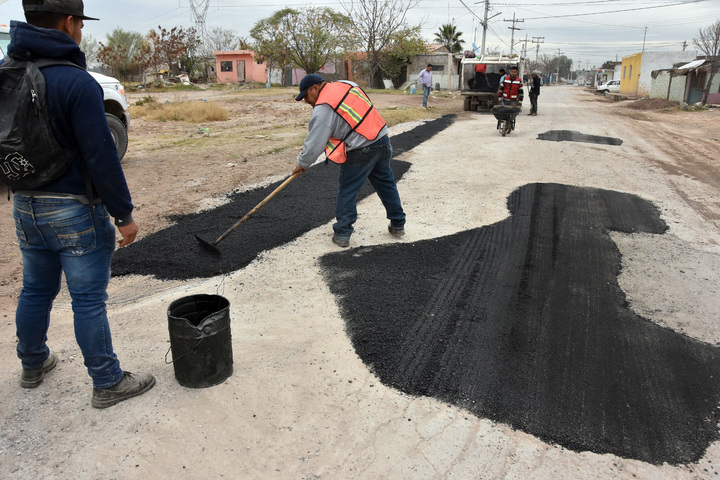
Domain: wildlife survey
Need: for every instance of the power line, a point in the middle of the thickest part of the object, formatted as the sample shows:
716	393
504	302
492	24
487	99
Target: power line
615	11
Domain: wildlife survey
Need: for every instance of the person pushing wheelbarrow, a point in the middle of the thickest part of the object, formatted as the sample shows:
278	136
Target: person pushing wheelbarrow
510	95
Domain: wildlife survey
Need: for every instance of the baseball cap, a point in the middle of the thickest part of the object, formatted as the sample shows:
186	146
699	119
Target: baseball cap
64	7
307	82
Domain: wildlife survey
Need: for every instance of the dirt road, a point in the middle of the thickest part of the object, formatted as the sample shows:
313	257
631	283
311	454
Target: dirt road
302	402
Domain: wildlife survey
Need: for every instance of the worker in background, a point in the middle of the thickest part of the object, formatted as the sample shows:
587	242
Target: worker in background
502	79
511	89
534	87
425	79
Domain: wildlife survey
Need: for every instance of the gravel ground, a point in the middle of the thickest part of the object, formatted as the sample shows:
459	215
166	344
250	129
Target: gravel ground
303	401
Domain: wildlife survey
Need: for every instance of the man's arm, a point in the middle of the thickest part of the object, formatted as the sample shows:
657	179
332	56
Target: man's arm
319	132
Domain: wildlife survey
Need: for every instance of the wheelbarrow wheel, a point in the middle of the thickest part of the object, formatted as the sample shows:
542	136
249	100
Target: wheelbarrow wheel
503	127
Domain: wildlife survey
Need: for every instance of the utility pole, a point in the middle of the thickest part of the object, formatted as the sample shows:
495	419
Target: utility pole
485	25
558	68
513	28
199	12
684	45
644	35
537	49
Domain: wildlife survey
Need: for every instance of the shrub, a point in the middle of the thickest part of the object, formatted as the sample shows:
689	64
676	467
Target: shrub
193	112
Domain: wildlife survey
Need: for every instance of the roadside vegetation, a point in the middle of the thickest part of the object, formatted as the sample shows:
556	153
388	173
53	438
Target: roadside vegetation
197	111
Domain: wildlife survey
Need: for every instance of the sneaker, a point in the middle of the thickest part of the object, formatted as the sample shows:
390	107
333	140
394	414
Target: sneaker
396	231
130	386
31	378
341	242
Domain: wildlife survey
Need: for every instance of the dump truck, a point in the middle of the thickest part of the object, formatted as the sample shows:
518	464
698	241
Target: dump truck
479	88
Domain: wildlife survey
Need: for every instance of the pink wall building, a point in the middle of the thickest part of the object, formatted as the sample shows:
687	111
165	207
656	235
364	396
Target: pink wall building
238	66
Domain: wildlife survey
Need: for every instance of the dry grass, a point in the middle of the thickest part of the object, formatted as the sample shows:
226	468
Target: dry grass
193	112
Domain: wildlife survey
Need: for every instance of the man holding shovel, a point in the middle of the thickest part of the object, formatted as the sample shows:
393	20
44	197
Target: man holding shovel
346	125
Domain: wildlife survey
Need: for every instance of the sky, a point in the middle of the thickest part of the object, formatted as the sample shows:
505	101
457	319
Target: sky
589	32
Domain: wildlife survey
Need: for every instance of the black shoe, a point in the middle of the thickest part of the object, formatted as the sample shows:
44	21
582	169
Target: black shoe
31	378
130	386
341	242
396	231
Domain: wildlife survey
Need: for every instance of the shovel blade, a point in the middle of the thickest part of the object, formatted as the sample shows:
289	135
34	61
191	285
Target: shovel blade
207	246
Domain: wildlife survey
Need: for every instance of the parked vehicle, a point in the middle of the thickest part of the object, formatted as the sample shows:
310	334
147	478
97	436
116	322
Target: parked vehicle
613	86
116	110
480	91
4	39
116	107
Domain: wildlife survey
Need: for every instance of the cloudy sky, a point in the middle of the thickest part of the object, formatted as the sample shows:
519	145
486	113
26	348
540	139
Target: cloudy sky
587	31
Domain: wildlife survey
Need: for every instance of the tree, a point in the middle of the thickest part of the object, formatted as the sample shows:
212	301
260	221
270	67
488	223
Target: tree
171	47
375	23
124	54
271	41
708	41
449	36
219	39
404	45
307	38
90	47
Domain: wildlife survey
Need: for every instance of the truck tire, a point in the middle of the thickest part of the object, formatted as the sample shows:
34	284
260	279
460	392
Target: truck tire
119	134
466	104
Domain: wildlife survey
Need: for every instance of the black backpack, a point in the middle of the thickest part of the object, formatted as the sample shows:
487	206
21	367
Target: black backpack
30	155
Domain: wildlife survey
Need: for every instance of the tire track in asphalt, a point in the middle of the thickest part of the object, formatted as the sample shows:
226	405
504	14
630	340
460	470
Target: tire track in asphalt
523	322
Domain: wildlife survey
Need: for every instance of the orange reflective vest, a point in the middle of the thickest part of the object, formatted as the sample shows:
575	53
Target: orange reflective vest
354	106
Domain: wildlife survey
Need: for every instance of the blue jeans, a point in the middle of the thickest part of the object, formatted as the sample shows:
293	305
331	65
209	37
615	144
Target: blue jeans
373	163
59	235
426	94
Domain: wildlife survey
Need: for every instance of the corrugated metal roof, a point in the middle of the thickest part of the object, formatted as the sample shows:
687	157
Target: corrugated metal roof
689	66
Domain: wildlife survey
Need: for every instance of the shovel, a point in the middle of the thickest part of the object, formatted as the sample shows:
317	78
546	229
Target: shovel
212	247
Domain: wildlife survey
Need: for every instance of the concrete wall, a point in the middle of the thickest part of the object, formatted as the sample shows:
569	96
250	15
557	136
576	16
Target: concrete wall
659	87
630	74
448	77
637	69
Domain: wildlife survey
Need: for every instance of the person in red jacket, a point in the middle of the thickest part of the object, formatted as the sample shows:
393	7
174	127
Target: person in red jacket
511	89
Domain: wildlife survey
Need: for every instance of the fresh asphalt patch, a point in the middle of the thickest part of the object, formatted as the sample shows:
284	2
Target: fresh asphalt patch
572	136
523	322
306	203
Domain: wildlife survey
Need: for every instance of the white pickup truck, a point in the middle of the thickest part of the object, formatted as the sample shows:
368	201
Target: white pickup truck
116	107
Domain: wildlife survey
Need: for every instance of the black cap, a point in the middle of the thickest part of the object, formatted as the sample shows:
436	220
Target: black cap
63	7
307	82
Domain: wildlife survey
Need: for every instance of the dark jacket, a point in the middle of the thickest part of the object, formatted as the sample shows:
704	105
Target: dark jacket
75	105
535	86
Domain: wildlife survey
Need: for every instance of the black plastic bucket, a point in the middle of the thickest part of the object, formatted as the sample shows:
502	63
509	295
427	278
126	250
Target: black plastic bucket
200	340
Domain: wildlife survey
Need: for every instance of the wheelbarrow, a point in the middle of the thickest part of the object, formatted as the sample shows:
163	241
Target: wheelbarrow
505	115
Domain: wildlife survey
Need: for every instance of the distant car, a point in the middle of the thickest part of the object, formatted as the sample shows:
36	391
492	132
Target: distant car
116	107
613	86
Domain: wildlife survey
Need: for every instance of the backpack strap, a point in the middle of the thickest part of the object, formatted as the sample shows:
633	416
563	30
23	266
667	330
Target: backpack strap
41	63
50	62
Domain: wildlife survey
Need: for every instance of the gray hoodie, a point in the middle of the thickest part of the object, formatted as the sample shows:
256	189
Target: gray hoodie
325	123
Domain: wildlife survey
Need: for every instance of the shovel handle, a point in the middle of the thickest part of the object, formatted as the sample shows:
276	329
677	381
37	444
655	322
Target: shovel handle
257	207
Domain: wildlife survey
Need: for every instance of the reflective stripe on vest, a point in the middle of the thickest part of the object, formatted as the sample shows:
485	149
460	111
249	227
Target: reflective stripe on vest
511	88
353	105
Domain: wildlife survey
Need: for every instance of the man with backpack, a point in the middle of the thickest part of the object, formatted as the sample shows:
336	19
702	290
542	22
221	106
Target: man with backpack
64	225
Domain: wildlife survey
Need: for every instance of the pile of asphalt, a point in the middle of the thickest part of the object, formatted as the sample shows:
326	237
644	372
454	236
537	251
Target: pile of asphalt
306	203
573	136
523	322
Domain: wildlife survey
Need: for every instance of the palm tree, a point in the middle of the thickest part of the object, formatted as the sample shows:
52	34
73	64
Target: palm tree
450	37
